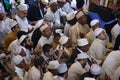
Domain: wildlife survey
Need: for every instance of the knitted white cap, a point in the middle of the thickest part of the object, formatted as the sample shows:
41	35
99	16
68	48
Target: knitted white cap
98	31
94	22
70	16
82	42
23	7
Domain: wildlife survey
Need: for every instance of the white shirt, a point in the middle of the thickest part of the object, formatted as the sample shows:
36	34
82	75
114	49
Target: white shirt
67	8
115	31
111	63
34	74
117	74
43	40
19	72
23	23
13	45
97	50
56	17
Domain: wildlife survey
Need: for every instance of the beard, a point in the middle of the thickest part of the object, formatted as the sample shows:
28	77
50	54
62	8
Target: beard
29	46
83	65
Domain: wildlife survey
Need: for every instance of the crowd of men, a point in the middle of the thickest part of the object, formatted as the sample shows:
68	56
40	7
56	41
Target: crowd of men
59	40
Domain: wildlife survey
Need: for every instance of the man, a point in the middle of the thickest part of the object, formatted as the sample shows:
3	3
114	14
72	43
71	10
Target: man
80	29
12	35
94	72
82	46
90	36
52	70
46	37
36	72
71	20
52	11
49	54
77	68
110	65
36	10
62	72
22	20
19	66
97	50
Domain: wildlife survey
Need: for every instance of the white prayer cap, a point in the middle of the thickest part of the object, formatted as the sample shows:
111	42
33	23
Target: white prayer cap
17	59
45	2
52	1
42	28
22	7
63	39
62	68
82	42
13	23
53	64
94	22
95	69
70	16
79	14
82	56
98	31
58	31
22	38
88	78
61	0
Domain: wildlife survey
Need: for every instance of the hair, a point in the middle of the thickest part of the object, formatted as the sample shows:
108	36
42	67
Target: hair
24	41
46	48
13	27
38	61
56	35
20	33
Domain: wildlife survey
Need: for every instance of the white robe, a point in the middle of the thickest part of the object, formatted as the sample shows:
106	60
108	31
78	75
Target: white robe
23	23
117	74
97	50
34	74
111	63
43	40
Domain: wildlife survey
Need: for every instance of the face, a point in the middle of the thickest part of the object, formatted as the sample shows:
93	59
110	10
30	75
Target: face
54	7
22	64
85	48
96	26
102	35
84	61
47	32
82	20
23	14
29	43
50	54
56	39
17	28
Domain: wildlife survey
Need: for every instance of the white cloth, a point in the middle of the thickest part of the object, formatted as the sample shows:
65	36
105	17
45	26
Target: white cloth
13	45
117	74
34	74
28	56
97	50
67	8
48	76
111	63
66	29
115	31
43	40
56	17
19	72
58	78
23	23
75	71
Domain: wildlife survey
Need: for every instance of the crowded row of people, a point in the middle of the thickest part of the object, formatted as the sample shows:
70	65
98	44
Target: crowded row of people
52	40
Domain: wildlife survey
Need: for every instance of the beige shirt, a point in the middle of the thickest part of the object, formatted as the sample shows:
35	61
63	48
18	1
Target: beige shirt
75	71
74	31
